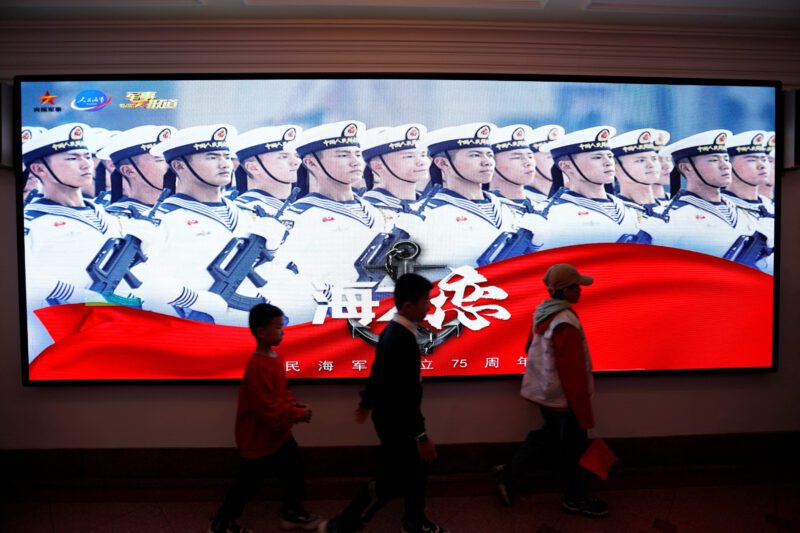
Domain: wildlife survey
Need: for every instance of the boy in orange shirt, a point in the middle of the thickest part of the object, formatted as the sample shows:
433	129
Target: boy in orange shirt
264	419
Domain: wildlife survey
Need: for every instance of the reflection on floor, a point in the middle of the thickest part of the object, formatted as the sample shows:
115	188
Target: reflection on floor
752	500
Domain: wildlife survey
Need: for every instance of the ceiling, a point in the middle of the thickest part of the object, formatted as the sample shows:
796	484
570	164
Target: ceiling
764	14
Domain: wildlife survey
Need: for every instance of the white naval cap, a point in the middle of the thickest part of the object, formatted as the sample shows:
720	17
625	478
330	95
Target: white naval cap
747	142
55	140
770	143
586	140
514	137
327	136
460	137
661	138
195	140
703	143
633	142
135	141
379	141
29	132
542	136
263	140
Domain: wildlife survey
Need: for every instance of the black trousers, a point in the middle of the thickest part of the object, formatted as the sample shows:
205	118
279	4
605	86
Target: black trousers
561	436
401	472
285	464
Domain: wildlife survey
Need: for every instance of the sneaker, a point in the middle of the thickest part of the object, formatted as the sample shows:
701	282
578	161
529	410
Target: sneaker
231	527
586	506
425	527
503	485
301	519
328	526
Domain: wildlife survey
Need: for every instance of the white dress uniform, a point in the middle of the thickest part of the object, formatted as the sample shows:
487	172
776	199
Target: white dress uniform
693	223
377	142
177	278
328	236
455	231
257	197
515	137
759	214
60	241
540	139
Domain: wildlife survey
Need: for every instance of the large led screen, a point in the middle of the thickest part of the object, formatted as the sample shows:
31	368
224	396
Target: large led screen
154	213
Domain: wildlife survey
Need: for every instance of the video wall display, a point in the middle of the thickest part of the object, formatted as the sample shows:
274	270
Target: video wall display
154	213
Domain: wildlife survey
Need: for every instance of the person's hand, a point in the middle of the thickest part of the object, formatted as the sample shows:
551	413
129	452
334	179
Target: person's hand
427	450
361	415
306	415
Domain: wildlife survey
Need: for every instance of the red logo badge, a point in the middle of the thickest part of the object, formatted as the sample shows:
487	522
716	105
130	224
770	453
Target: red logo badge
26	135
483	132
164	134
47	98
603	135
758	139
76	133
461	219
192	222
553	134
59	224
700	217
518	134
350	130
644	137
412	134
290	134
328	219
721	138
220	135
583	213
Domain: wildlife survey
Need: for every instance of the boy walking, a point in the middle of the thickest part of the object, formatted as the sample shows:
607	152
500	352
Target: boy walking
394	396
558	377
264	419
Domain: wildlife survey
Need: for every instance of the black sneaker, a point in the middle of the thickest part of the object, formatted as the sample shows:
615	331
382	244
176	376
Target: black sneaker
425	527
301	519
217	526
503	484
586	506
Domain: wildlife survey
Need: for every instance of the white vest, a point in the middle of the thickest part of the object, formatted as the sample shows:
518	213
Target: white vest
541	383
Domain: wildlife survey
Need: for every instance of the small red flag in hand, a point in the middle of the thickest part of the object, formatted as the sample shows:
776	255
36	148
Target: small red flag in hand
598	458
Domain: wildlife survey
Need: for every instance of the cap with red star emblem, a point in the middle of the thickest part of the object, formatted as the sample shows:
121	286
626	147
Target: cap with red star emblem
514	137
379	141
633	142
195	140
267	139
703	143
55	140
135	141
747	142
327	136
542	136
471	135
581	141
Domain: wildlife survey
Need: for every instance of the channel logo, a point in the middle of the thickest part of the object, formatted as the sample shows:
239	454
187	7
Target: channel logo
147	100
90	100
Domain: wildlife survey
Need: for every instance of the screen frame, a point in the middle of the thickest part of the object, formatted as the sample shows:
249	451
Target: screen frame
19	184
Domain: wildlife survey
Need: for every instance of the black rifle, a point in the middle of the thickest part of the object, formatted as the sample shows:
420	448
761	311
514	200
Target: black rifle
114	262
237	261
749	249
642	237
507	245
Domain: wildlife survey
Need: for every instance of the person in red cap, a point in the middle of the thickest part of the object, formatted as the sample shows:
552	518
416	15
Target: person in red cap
558	378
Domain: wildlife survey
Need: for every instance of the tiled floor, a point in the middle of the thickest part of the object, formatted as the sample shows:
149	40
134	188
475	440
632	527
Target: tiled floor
729	502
